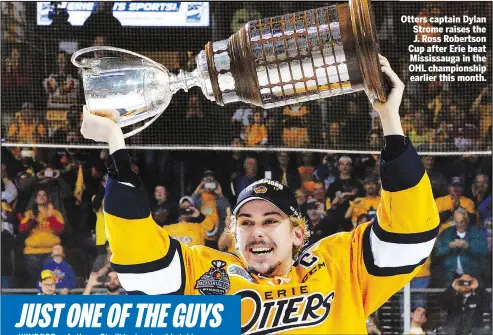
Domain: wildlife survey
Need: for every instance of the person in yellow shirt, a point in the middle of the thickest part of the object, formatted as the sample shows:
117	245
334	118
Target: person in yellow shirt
193	227
208	197
42	224
420	134
25	129
449	203
306	172
256	132
365	205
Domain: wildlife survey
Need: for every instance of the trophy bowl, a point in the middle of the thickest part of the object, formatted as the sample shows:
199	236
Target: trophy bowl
126	87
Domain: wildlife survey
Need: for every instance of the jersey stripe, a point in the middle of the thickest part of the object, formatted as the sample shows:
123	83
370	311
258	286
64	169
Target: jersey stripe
413	238
382	258
163	281
386	254
149	266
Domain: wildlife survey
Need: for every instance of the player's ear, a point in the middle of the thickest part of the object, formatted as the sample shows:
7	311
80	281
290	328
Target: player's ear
298	236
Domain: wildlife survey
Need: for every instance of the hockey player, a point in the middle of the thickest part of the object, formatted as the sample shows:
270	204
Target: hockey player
331	288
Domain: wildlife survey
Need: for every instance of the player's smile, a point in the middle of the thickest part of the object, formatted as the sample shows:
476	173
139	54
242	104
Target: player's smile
261	253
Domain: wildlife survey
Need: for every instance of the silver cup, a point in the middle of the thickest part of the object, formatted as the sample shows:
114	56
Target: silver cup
273	62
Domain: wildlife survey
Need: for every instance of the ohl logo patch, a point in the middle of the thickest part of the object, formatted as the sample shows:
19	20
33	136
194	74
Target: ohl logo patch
215	281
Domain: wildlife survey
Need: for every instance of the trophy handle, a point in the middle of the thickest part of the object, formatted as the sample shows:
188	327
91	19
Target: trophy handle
80	52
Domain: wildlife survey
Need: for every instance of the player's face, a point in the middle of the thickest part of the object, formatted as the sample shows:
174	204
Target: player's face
266	238
48	286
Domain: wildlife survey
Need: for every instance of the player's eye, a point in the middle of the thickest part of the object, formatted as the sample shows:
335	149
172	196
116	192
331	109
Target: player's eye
270	221
246	223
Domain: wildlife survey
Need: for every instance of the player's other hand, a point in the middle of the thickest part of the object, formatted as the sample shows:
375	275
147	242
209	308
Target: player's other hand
98	128
391	107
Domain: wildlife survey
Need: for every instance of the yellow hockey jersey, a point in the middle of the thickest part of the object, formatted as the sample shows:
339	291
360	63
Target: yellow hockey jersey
332	287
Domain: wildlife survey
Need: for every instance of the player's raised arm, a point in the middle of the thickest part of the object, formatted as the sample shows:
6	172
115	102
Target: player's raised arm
145	258
403	234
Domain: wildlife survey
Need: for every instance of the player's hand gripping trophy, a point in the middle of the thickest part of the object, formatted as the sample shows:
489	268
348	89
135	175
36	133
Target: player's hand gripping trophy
270	62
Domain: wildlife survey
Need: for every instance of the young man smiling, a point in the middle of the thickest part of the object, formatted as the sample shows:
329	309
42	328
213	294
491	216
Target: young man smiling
331	288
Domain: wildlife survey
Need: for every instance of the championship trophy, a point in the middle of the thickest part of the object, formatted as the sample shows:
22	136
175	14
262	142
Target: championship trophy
271	62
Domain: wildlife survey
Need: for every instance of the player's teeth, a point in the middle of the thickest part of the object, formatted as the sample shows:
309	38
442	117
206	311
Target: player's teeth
260	249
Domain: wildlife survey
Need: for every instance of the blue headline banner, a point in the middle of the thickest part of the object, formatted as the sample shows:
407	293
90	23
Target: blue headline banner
112	315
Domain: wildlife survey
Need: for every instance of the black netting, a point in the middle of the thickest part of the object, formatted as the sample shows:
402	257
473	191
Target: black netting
42	92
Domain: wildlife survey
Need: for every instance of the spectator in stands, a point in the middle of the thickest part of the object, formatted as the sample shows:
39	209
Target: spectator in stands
418	319
344	189
461	248
326	172
334	139
193	228
26	129
241	120
9	195
111	283
256	132
480	189
363	218
438	181
42	224
65	275
61	86
249	11
318	225
208	197
365	205
249	176
295	128
372	325
306	172
481	109
164	210
464	132
465	302
102	20
15	79
301	198
356	127
286	173
318	194
449	203
47	282
194	117
102	262
420	134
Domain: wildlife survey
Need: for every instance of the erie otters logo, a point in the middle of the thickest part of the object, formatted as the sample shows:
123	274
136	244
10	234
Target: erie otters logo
272	316
215	281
